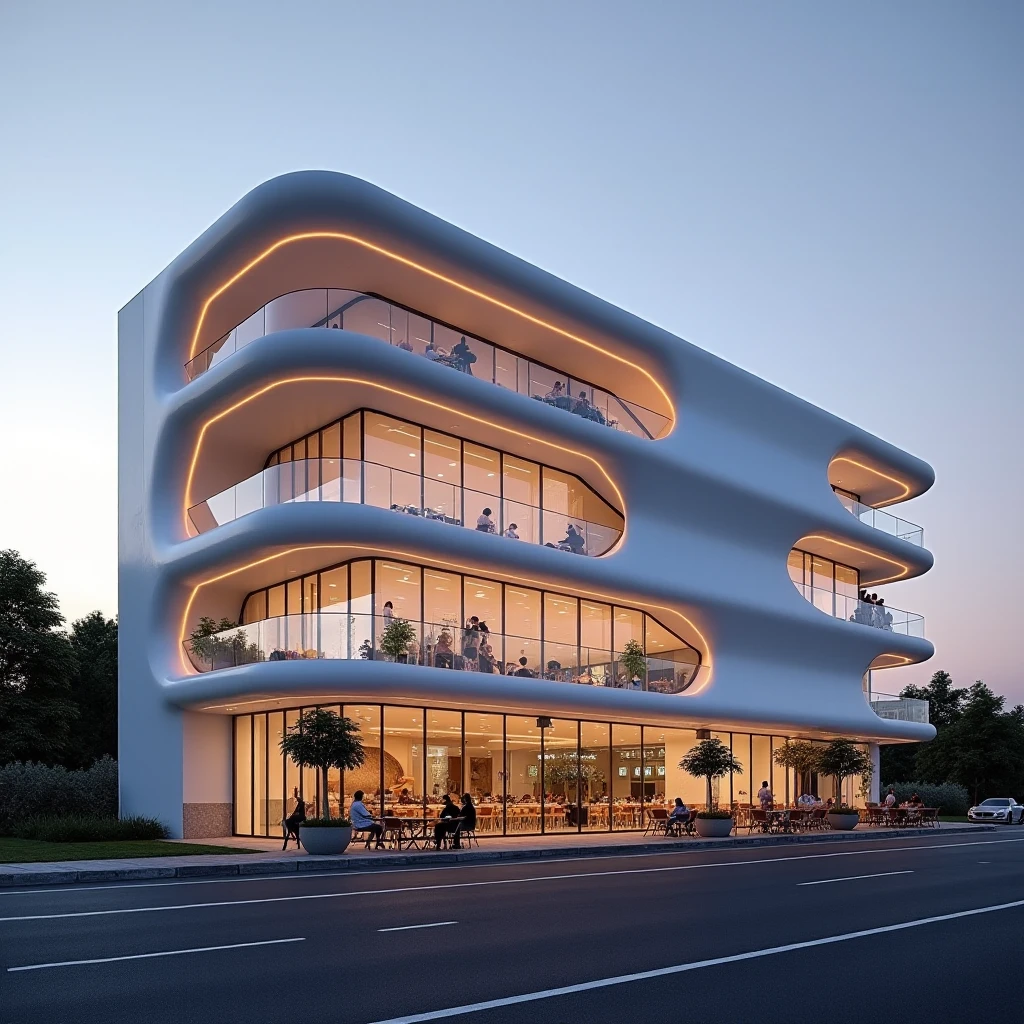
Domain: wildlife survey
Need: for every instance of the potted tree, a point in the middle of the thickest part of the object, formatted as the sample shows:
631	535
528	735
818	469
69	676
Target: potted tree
710	760
801	756
633	662
841	759
210	643
395	640
323	740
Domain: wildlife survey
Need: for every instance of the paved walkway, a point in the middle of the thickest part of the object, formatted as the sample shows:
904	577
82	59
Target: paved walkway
268	858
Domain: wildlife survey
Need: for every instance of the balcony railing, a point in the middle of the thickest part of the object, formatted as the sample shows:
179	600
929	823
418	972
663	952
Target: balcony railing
366	314
357	636
879	519
894	620
900	709
367	483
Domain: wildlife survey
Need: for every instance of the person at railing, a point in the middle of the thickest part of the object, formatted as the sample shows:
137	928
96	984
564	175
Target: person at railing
511	531
405	345
586	410
444	655
485	659
434	352
883	616
484	522
389	613
523	670
463	357
471	644
573	540
556	394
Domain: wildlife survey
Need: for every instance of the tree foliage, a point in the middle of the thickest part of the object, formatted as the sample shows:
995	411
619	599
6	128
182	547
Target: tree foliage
94	690
37	664
709	760
841	759
395	640
633	660
323	739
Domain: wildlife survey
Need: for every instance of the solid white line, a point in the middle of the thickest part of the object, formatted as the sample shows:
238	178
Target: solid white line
495	881
293	876
413	927
148	956
854	878
662	972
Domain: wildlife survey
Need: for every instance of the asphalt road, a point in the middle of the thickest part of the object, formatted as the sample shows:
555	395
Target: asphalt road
904	930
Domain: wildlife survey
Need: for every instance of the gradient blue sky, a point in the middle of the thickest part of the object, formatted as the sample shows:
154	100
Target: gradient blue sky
831	196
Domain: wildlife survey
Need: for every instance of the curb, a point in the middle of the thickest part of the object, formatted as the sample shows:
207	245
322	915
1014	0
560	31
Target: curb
358	862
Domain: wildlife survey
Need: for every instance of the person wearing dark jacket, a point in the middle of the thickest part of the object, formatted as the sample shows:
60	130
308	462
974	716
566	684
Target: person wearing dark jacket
294	820
449	820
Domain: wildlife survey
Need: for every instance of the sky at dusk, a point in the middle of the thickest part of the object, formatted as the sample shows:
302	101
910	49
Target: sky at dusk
829	196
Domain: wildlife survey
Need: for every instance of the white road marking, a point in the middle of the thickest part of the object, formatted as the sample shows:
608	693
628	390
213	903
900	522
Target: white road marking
662	972
436	865
494	881
149	956
854	878
413	927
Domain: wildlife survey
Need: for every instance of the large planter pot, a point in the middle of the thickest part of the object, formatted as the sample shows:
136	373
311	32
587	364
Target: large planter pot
714	828
842	822
323	841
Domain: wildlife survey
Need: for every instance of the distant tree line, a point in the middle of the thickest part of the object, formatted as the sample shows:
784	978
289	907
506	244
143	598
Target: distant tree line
58	687
979	745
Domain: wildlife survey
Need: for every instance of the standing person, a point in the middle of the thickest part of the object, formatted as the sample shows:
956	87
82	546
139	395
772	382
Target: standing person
471	643
484	522
876	614
294	820
511	532
464	356
486	658
363	821
890	798
389	613
884	615
573	540
523	670
764	797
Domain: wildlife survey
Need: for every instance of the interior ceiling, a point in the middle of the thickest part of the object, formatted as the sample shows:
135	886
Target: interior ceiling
875	484
874	567
338	263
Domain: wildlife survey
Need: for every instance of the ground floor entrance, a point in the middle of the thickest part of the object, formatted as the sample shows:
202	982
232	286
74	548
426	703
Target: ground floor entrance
528	774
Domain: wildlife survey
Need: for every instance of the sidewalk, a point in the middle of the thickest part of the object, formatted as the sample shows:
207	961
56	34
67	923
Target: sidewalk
270	860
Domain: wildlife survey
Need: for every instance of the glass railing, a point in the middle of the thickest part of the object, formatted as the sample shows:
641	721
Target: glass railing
900	709
367	483
881	616
366	314
359	636
879	519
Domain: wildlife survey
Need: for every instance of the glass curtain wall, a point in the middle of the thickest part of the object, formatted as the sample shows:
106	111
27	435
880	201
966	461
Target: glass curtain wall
517	629
527	774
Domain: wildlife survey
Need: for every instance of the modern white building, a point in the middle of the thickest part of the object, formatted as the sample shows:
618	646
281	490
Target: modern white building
338	412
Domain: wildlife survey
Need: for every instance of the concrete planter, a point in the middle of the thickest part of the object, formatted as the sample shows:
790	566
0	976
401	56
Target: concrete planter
713	828
325	841
842	822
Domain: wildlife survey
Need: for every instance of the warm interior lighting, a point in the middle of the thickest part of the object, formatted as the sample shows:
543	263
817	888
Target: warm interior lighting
705	653
437	276
904	569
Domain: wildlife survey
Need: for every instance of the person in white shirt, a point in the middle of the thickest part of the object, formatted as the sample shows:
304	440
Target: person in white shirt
484	522
807	800
363	821
511	532
764	797
890	798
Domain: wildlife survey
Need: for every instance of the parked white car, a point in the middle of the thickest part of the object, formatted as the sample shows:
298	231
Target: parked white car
997	808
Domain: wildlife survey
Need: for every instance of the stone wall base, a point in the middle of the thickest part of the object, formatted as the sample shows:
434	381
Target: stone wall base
205	821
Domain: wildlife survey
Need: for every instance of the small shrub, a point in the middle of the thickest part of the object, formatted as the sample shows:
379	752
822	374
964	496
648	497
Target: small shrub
717	815
83	828
948	797
38	790
842	809
325	823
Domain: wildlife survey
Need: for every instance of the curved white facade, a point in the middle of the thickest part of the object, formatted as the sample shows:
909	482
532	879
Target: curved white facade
712	508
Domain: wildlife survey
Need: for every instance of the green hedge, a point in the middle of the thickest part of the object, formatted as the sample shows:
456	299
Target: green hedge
38	790
81	828
948	797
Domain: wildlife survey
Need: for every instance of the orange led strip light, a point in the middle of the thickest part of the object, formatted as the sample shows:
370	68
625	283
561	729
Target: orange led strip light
415	558
437	276
864	551
395	391
877	472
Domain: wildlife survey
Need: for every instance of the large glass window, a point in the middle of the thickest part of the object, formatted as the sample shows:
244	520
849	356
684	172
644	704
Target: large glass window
561	776
444	756
523	773
485	778
595	775
404	761
627	778
243	775
373	774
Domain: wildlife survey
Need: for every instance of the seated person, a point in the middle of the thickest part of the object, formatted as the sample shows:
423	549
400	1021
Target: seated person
405	798
363	821
294	820
916	801
486	658
573	540
807	800
450	816
680	816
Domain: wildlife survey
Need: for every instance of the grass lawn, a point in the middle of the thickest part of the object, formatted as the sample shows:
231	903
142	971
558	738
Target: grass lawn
24	851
